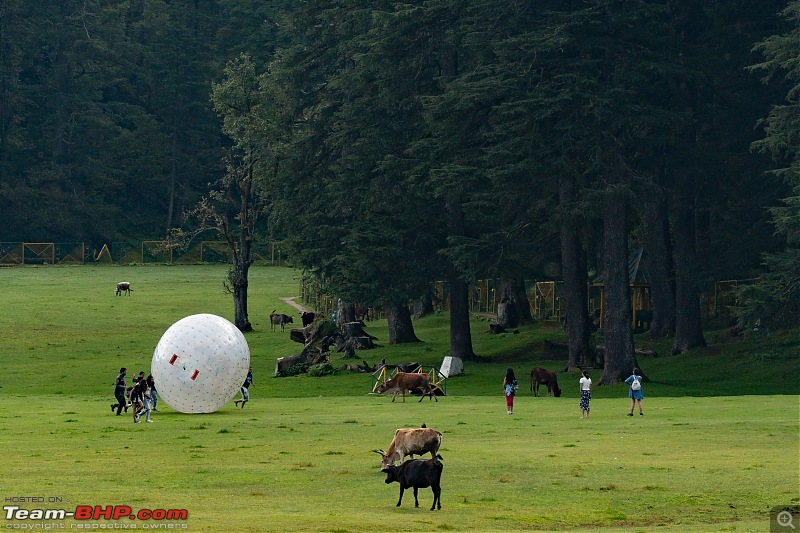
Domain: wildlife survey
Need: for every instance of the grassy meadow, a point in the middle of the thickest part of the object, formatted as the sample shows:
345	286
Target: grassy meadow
718	447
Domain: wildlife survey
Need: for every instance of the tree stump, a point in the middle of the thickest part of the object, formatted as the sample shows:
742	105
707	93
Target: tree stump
507	314
317	339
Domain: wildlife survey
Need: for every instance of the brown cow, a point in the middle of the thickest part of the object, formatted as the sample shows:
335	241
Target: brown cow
540	376
411	441
408	381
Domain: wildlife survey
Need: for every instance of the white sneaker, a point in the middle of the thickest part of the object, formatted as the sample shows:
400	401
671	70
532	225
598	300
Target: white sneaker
148	420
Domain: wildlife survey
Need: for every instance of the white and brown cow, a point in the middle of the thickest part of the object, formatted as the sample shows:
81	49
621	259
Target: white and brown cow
123	286
408	381
411	442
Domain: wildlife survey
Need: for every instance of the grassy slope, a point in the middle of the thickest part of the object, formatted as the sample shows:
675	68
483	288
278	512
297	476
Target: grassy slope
717	448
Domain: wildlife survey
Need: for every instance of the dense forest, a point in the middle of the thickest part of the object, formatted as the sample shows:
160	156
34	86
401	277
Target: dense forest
390	144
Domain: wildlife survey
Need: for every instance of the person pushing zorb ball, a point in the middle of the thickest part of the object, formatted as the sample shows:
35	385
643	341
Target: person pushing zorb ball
200	363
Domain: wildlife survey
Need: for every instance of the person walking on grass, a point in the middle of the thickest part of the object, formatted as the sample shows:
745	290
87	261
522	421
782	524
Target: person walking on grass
635	391
586	393
153	393
137	400
245	386
147	397
510	389
119	392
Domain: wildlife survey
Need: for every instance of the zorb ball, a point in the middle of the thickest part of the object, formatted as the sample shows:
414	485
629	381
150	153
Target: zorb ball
200	363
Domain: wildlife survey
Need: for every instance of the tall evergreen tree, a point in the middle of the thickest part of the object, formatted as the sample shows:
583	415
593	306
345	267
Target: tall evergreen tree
775	303
354	99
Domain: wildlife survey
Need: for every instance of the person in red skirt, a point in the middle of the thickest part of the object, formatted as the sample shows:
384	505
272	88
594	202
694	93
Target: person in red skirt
510	389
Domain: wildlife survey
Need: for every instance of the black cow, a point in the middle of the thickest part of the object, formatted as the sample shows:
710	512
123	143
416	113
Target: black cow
418	474
307	317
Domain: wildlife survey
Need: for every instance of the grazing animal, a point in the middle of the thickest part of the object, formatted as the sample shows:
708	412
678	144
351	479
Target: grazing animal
418	474
123	286
408	381
540	376
279	319
411	441
307	317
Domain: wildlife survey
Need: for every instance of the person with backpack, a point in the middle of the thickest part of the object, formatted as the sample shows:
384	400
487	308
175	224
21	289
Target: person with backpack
635	391
510	386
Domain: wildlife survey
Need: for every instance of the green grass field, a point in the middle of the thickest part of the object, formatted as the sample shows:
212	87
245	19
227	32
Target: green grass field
718	447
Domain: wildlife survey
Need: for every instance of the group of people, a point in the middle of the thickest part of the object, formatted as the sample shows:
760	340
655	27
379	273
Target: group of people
635	391
141	396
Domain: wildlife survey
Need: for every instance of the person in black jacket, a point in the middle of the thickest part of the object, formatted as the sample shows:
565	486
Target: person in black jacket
119	392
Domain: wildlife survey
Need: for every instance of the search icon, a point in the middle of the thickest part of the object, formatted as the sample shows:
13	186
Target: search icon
784	519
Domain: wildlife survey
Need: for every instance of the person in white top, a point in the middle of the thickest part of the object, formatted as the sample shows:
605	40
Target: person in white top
586	393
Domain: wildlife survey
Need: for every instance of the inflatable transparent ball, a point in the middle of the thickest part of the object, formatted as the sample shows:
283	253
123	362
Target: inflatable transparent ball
200	363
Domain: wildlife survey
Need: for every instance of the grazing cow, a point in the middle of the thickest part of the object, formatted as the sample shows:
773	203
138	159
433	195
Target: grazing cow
408	381
307	317
418	474
540	376
278	319
123	286
411	441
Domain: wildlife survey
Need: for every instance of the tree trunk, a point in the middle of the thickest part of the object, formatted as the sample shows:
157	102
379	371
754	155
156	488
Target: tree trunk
506	316
688	322
620	358
239	280
240	308
513	291
243	255
659	253
401	329
575	274
422	306
345	312
172	177
460	334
